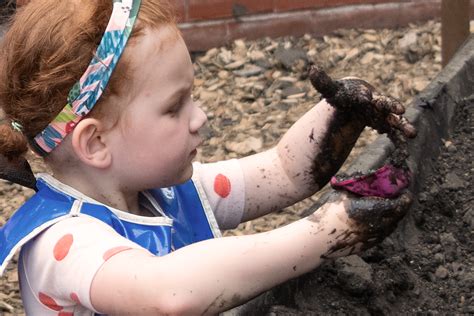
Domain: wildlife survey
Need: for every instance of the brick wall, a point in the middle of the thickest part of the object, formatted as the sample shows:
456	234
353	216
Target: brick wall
198	10
209	23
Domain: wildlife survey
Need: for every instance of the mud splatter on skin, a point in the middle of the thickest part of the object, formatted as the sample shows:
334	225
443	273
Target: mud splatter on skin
337	144
371	219
221	303
311	136
362	104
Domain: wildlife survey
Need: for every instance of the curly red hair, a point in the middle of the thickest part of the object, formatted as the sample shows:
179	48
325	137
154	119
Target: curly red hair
48	46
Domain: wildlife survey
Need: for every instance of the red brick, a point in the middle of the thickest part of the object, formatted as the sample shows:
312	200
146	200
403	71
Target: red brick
253	6
219	9
204	35
290	5
209	9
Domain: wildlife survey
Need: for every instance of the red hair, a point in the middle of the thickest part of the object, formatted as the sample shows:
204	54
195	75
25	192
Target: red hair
46	50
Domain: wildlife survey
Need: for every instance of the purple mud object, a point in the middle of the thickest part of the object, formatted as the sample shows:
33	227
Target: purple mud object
386	182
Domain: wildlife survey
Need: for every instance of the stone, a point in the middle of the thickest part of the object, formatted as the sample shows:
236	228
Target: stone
439	258
453	182
441	273
288	57
235	65
249	71
291	90
468	218
354	275
408	40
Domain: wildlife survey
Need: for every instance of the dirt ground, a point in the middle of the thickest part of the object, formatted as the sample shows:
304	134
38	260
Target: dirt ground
254	90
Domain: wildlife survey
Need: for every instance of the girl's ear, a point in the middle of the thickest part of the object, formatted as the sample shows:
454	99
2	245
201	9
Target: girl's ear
88	143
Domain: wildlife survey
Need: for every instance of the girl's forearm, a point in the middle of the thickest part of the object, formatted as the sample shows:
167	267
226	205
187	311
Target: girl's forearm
304	160
317	145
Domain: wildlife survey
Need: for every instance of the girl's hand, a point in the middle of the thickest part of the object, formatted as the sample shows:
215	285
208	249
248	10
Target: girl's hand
363	102
362	221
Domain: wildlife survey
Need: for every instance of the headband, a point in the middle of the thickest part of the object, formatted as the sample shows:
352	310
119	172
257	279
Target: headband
86	92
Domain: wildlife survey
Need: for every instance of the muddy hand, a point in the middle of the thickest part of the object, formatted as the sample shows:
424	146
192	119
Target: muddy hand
376	110
367	221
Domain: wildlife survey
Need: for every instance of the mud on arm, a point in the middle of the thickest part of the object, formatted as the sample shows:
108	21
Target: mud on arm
316	146
304	160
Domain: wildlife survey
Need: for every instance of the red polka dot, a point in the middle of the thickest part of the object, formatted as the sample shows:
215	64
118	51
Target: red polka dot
66	314
222	185
74	297
112	252
62	247
49	302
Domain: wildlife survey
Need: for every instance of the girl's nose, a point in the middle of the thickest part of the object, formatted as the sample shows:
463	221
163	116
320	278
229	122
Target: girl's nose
198	118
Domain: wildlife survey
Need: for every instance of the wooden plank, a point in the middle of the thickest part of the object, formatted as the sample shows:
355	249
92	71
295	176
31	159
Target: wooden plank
455	26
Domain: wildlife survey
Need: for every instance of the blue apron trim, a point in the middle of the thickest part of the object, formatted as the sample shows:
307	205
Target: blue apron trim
192	219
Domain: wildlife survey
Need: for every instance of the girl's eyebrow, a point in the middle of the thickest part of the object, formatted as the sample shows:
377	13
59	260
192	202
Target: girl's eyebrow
179	94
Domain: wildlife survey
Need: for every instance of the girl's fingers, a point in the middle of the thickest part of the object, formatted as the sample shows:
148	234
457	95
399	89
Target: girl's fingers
402	124
387	104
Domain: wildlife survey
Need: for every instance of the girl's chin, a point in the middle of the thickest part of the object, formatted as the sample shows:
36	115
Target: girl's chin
186	175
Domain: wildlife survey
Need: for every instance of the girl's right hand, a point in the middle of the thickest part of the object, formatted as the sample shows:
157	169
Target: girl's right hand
362	221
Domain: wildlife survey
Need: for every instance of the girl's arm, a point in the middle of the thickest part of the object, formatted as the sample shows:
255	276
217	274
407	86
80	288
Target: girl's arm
303	161
215	275
316	146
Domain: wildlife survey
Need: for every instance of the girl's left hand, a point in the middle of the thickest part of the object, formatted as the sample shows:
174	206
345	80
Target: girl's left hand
360	99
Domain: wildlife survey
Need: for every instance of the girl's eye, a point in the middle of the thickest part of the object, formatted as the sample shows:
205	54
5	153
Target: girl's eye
174	110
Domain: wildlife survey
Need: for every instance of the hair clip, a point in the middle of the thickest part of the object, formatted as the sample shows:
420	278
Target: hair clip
17	126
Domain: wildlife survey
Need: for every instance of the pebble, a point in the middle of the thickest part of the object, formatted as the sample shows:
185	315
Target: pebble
355	275
249	71
468	218
453	182
439	258
442	272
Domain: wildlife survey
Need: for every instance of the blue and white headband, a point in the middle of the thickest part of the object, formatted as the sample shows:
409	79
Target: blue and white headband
87	91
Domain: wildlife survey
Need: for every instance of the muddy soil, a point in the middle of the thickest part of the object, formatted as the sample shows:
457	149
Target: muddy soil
432	273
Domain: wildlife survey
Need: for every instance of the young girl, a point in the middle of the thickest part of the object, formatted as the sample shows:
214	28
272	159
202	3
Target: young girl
127	224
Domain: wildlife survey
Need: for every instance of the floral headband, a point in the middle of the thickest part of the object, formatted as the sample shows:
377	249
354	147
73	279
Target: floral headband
87	91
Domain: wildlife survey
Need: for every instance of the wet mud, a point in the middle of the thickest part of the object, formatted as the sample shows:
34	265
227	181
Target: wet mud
337	144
